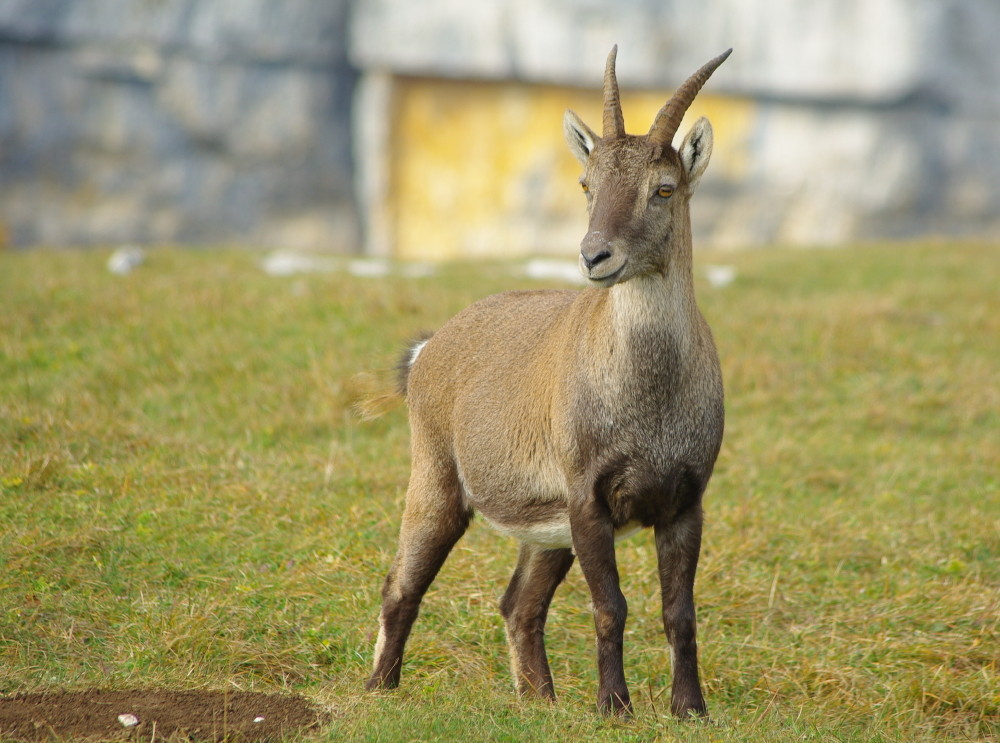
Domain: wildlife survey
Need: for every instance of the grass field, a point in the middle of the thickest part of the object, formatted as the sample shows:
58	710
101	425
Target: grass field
187	501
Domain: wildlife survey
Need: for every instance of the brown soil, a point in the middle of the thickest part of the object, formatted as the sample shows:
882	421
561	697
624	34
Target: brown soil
163	716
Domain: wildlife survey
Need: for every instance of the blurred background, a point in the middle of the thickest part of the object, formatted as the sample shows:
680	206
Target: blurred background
432	129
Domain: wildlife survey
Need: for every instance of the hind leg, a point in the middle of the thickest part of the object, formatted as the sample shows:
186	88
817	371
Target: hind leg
524	607
434	518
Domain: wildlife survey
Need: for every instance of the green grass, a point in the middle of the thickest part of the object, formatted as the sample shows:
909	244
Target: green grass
187	501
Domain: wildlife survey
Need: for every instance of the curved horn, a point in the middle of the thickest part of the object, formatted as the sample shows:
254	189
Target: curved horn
614	121
669	118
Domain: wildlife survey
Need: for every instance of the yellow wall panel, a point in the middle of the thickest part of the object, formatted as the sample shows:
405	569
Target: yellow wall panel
481	169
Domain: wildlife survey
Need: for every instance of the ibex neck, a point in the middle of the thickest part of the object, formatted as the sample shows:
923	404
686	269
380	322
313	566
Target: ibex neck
648	331
661	301
663	305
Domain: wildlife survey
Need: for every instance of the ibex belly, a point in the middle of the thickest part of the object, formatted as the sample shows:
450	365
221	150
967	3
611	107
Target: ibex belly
553	534
528	504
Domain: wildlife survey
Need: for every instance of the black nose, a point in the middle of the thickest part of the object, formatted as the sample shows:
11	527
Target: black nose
594	249
592	260
594	254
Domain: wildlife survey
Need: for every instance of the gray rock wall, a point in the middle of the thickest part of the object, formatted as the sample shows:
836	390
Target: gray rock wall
229	121
176	121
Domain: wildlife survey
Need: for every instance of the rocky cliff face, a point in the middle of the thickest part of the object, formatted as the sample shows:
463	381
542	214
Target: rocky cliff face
868	119
175	121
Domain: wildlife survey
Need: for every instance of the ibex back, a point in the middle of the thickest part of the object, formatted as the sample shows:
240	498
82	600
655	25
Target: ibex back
569	419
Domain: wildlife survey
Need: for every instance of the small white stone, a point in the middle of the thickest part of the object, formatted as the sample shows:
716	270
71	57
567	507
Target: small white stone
128	721
258	719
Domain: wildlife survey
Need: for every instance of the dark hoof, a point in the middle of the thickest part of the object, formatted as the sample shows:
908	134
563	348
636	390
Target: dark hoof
378	683
616	706
695	711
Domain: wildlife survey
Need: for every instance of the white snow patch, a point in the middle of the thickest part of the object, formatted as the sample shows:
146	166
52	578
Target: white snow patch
720	276
550	268
416	270
126	259
292	263
289	263
369	268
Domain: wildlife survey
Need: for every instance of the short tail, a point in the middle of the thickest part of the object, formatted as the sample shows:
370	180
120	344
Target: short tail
406	362
379	397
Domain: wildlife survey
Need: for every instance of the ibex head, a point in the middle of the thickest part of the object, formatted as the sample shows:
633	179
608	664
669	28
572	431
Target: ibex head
638	187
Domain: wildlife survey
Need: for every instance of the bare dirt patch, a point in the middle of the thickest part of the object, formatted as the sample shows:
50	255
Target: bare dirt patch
93	715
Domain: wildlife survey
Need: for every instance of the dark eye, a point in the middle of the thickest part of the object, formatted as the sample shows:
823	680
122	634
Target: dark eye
584	186
665	192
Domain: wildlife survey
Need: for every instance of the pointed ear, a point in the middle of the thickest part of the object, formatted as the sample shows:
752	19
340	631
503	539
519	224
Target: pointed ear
696	150
579	137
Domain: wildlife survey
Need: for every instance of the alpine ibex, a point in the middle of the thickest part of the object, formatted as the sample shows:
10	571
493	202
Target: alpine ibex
571	418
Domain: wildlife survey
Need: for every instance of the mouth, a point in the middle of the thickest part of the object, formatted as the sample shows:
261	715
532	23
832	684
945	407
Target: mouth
606	280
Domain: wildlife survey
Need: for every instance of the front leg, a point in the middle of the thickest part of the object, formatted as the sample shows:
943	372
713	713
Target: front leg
677	546
594	544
